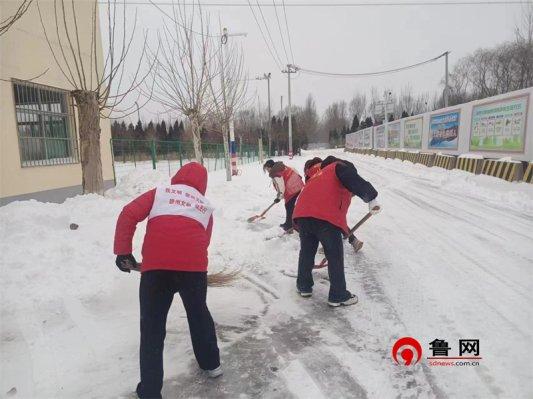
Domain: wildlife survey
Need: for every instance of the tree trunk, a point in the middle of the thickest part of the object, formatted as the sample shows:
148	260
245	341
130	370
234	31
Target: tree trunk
89	126
227	156
197	140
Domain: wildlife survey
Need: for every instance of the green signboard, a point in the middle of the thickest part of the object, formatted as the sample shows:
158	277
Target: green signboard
412	129
499	125
393	135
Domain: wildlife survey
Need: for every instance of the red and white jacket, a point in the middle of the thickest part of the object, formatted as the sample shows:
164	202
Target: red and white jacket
179	226
287	182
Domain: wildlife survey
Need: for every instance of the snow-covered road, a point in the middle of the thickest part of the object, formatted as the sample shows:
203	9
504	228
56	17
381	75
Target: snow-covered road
450	257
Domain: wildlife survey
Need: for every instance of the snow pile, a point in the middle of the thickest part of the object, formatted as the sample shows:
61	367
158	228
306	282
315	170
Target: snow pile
515	196
136	182
449	257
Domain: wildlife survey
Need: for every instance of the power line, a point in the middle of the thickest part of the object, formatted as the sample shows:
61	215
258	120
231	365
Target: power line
263	35
357	75
268	31
288	32
156	5
347	4
281	33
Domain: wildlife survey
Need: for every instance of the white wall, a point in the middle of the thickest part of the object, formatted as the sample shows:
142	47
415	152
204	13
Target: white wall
353	140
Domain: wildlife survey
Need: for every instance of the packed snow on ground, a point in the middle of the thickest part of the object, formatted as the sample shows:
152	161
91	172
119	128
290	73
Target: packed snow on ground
450	257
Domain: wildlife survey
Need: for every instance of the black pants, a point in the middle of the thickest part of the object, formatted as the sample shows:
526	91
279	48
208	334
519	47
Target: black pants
156	292
289	209
312	231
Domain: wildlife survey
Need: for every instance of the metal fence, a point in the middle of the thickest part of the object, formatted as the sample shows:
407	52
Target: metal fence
172	155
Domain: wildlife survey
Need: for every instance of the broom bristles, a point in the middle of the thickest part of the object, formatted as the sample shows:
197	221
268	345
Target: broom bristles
222	278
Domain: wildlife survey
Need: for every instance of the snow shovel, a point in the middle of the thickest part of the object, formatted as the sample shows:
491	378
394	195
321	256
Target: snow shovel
324	261
261	216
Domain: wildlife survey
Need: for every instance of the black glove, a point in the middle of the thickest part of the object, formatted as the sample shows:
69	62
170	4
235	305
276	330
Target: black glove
276	200
351	239
125	262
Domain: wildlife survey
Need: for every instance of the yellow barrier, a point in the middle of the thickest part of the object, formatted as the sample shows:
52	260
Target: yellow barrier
411	156
528	175
445	161
509	171
472	165
382	153
391	154
400	155
426	158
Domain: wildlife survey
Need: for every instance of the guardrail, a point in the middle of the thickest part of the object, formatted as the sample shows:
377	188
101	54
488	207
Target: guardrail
508	170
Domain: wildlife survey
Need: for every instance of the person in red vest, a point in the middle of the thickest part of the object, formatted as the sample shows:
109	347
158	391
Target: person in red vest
311	168
288	184
320	217
175	259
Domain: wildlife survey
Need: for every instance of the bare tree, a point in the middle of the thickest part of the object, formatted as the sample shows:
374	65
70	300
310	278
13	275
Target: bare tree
182	72
228	96
335	121
358	105
97	82
7	23
307	120
501	69
374	106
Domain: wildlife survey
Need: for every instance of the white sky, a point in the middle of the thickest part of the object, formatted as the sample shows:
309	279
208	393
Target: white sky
354	39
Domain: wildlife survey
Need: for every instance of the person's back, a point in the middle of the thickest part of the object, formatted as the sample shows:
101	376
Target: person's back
320	217
174	261
179	225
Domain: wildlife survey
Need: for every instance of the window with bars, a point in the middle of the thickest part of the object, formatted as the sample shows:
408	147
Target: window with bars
45	125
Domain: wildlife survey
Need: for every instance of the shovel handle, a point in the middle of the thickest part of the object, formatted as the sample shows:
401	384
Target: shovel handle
352	230
253	218
266	210
359	223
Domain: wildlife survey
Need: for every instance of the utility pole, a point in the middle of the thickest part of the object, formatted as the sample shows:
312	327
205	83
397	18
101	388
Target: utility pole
230	171
290	69
446	89
267	76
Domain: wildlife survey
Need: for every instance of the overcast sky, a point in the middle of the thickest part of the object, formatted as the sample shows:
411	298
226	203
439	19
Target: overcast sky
353	40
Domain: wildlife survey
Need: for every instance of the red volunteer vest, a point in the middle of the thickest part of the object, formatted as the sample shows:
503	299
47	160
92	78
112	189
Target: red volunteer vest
293	183
324	198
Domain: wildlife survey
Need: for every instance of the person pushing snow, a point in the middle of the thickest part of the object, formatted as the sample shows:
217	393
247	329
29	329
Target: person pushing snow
311	168
175	259
320	217
288	184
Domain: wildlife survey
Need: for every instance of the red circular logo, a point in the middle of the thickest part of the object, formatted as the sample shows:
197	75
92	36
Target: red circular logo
407	345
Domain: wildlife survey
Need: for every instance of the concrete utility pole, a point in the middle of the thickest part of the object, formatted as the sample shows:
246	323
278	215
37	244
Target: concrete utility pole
230	171
446	88
267	76
290	69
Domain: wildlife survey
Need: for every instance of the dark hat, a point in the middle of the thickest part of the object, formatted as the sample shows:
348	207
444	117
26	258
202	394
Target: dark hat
268	164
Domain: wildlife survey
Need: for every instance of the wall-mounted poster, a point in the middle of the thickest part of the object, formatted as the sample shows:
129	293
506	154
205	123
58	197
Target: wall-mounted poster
379	131
393	137
499	125
444	130
367	137
412	133
350	140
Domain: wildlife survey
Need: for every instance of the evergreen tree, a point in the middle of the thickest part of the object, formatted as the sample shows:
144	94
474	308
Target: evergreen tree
405	114
355	123
369	122
170	132
150	133
139	131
